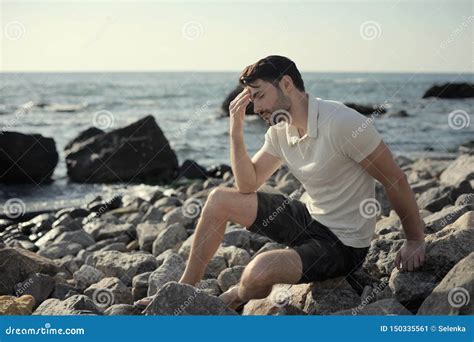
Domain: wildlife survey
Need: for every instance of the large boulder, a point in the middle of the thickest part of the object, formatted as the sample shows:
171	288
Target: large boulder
451	91
183	299
452	295
459	173
26	158
138	152
171	270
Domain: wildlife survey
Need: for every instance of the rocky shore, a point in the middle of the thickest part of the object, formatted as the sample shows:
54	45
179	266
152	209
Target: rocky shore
99	258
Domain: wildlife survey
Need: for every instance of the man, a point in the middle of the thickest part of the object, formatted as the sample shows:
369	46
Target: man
336	154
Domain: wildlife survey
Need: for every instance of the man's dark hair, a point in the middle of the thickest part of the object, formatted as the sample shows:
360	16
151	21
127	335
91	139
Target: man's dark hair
272	69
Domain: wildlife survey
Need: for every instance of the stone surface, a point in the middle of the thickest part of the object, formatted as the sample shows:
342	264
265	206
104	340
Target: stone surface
74	305
11	305
383	307
171	270
169	237
87	275
38	285
109	291
229	277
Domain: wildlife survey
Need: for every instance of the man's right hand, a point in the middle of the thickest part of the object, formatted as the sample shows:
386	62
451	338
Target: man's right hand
237	109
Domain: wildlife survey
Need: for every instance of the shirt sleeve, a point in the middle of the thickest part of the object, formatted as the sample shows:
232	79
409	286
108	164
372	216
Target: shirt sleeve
354	134
268	145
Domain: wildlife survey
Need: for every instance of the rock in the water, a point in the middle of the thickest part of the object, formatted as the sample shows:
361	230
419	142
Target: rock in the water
182	299
366	109
171	270
109	291
451	91
383	307
122	265
10	305
38	285
26	158
229	277
192	170
83	136
138	152
17	264
453	294
169	237
74	305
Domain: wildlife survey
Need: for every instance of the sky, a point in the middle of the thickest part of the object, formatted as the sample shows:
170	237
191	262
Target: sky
321	36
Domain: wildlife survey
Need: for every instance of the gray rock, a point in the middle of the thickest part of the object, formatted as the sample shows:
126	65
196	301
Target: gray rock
435	199
229	277
102	229
330	296
87	275
182	299
181	216
458	172
109	291
50	236
216	265
169	237
382	307
210	286
162	257
116	246
38	285
140	285
452	295
424	185
122	265
171	270
147	233
441	219
63	291
380	258
411	286
122	310
74	305
185	248
77	236
237	237
58	250
388	225
234	256
465	199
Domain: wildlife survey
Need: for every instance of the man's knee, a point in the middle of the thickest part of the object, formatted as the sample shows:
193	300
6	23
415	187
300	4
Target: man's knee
219	198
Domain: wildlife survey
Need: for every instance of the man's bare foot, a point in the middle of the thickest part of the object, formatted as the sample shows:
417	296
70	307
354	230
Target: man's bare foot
144	301
231	298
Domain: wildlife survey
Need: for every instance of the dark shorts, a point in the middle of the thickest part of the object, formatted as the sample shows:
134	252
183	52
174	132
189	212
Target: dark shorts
288	222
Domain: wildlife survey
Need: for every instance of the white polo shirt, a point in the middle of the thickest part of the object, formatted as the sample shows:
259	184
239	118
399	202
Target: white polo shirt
326	162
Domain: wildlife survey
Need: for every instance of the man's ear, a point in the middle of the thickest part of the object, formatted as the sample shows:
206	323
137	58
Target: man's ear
286	84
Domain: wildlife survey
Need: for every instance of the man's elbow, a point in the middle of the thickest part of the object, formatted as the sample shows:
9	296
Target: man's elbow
245	190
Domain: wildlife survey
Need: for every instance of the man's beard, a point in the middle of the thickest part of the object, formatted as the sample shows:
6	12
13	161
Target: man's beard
282	105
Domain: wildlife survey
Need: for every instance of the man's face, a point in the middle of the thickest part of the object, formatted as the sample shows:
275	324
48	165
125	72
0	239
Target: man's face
268	98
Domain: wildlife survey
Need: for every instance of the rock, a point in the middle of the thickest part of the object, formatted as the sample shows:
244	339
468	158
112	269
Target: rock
17	264
451	91
74	305
411	286
122	310
382	199
218	170
38	285
234	256
459	173
26	158
169	237
185	215
106	229
39	223
122	265
380	258
424	185
229	277
163	256
116	246
397	114
452	295
387	225
238	237
384	307
147	233
140	285
183	299
84	136
466	148
465	199
225	105
171	270
109	291
210	286
434	199
58	250
185	248
366	109
80	237
10	305
441	219
87	275
215	267
138	152
62	291
191	170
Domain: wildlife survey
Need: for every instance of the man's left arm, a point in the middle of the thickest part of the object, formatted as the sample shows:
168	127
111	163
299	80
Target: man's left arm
381	165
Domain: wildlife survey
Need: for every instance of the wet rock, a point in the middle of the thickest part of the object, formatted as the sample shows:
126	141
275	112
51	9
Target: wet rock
451	91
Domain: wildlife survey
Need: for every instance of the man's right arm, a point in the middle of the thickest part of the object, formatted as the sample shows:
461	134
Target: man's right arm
249	174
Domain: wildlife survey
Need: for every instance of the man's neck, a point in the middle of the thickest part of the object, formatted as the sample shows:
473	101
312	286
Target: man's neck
299	113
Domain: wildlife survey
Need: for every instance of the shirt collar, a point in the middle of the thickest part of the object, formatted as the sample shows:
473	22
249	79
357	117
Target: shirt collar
292	134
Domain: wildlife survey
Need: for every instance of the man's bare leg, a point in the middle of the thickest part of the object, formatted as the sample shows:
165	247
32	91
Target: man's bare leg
223	205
